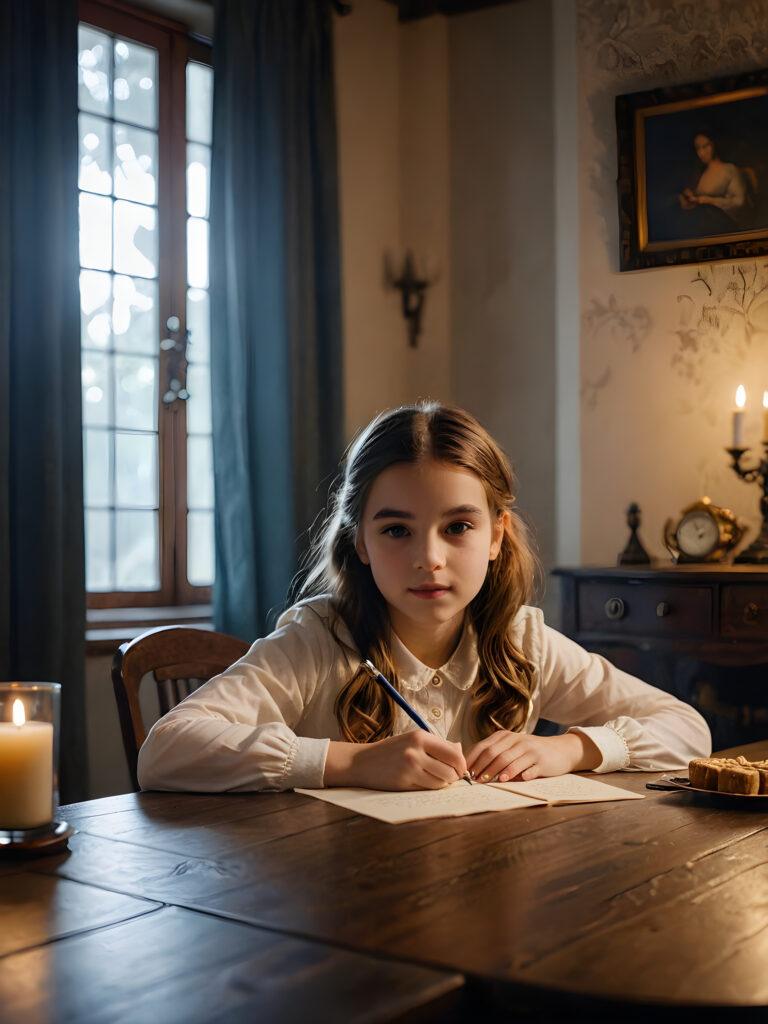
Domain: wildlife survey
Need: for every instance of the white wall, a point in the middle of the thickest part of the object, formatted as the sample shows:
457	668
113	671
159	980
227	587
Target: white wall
660	357
568	430
503	274
393	168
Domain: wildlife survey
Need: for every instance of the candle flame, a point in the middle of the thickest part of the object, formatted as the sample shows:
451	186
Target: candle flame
765	399
741	396
19	717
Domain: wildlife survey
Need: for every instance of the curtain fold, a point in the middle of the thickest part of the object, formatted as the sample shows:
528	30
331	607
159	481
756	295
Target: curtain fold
276	359
42	574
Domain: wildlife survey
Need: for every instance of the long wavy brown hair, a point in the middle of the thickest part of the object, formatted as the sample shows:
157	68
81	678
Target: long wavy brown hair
411	434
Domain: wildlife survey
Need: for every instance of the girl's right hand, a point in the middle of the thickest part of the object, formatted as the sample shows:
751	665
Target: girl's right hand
408	761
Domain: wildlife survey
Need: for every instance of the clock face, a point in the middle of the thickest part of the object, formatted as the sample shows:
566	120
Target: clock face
698	535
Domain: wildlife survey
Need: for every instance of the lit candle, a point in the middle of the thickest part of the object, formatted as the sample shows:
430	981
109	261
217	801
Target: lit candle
765	416
738	415
26	772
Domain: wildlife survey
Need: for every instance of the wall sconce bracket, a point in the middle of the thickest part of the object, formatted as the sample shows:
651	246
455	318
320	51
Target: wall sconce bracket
412	289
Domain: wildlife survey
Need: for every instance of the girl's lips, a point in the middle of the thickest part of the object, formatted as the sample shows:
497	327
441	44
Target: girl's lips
429	592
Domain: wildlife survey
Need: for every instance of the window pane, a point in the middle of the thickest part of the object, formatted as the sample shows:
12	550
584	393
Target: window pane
198	325
98	560
136	470
200	557
95	231
199	401
94	49
197	252
199	102
135	162
135	239
198	179
94	374
134	316
137	562
95	294
122	200
135	85
135	393
97	468
95	165
199	472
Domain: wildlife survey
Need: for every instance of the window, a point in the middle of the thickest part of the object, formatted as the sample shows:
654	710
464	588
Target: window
145	102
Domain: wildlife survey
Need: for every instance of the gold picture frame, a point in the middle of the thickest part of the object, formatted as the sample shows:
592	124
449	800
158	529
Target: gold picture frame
693	172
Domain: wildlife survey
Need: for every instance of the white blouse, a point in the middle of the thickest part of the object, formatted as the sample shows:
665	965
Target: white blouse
266	722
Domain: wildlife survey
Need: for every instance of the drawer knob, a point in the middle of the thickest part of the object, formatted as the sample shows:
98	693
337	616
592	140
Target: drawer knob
751	612
662	609
614	608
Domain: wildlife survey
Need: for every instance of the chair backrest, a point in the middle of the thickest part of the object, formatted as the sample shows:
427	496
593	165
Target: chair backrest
180	658
750	177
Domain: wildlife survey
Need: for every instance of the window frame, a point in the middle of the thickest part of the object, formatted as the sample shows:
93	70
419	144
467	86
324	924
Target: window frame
175	47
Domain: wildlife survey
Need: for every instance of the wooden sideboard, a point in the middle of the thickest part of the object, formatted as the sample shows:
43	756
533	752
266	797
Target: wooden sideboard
700	632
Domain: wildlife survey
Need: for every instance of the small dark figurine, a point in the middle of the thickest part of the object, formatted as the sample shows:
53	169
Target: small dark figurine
634	553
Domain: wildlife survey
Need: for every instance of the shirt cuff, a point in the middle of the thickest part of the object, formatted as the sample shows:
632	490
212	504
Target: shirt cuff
612	746
305	765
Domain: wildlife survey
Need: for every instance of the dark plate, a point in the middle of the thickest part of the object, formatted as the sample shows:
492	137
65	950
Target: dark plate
757	801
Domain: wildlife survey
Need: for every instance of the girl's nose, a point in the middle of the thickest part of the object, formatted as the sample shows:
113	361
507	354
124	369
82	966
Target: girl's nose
430	555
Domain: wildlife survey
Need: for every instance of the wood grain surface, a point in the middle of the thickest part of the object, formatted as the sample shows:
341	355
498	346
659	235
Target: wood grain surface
180	967
642	906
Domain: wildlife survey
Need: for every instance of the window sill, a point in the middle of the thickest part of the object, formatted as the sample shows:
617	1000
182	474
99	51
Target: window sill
107	628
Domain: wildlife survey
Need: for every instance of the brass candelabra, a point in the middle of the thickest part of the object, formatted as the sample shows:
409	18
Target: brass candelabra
757	552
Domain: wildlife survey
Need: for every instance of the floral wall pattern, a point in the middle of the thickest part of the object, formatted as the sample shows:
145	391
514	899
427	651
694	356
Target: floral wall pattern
662	350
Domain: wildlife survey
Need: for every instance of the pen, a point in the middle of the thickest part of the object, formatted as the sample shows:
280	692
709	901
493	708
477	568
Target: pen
403	703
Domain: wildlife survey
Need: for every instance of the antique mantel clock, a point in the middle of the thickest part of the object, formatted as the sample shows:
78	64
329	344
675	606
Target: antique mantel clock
703	532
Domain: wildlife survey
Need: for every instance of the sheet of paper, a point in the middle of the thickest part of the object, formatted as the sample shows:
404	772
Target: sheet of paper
568	789
451	802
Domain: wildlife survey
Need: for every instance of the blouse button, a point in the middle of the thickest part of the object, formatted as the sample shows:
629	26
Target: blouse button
436	680
436	713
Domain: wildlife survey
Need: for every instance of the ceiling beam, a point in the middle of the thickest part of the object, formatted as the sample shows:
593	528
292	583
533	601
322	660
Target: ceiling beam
411	10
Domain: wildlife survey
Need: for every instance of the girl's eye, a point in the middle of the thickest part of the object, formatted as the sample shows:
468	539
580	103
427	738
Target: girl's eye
396	530
456	529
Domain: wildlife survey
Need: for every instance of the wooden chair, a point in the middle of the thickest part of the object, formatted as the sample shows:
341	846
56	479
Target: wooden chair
180	658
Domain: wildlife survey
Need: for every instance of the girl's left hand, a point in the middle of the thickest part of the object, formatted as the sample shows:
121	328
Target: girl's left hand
513	755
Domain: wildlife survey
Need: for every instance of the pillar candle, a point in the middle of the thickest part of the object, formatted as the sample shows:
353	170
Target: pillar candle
738	416
765	415
26	774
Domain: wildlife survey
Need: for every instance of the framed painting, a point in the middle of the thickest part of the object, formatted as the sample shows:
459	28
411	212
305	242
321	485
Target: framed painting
693	172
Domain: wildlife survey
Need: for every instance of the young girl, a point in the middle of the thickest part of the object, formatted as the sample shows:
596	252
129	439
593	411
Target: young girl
424	568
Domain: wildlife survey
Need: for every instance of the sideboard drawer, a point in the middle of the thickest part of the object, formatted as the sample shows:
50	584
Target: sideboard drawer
622	607
744	611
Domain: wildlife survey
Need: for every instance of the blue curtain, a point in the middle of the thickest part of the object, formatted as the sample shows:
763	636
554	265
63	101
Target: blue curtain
275	298
42	576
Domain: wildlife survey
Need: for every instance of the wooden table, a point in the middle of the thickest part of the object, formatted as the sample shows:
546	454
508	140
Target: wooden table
278	907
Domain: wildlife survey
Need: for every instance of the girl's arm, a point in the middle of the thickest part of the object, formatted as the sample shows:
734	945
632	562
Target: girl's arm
634	725
237	732
240	731
617	721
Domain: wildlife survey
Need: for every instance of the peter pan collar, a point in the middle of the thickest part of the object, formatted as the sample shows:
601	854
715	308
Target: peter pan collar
460	669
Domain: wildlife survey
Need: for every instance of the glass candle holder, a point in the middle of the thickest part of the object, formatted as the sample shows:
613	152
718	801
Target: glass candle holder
29	762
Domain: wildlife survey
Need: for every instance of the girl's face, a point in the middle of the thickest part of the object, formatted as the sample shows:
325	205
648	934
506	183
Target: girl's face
428	535
705	149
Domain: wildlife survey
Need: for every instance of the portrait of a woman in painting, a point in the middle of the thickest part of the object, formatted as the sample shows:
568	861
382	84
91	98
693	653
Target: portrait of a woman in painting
723	197
701	168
